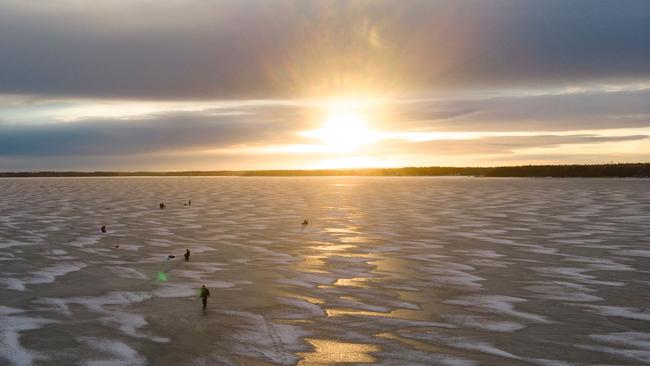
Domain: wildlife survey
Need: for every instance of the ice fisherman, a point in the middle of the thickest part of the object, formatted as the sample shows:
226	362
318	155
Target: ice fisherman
205	293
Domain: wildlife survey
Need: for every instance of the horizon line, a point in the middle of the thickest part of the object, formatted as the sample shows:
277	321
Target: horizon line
600	169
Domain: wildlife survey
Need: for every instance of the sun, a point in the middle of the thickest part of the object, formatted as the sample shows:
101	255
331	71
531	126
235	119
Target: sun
344	130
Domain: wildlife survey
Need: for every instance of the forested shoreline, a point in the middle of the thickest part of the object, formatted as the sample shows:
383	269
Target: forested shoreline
640	170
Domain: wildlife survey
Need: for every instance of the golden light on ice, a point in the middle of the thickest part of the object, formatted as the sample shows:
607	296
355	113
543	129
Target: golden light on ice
328	352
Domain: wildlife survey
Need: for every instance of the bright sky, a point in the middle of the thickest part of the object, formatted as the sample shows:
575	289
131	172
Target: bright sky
273	84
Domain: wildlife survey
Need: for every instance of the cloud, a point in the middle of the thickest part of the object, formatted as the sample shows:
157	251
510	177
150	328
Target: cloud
163	132
566	112
131	135
502	144
277	123
281	48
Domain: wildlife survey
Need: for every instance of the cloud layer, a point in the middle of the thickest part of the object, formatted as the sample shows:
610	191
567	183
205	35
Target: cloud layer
190	84
277	48
264	135
173	132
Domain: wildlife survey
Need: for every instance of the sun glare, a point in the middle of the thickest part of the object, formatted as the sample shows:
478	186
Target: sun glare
343	130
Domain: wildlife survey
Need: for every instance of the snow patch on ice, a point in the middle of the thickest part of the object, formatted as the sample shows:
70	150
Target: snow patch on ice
120	353
621	312
633	252
130	324
259	338
479	322
44	275
498	304
465	343
564	291
11	324
309	309
127	272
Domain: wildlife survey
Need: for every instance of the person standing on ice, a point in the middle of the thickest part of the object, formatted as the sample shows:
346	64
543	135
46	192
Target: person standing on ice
204	295
187	254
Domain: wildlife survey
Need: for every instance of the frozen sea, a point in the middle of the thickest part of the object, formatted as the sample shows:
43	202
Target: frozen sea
389	271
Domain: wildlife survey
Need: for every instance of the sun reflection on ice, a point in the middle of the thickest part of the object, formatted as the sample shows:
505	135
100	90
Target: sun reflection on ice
329	352
352	282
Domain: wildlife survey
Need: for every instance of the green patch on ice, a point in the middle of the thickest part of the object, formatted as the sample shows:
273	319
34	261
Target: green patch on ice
161	276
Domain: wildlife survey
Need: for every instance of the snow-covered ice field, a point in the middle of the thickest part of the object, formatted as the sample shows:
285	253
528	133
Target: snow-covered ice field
389	271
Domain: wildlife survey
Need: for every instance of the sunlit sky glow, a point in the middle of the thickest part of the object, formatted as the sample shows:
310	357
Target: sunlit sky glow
195	85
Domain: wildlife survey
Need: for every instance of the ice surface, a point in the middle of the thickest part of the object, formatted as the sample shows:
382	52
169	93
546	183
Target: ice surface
12	323
120	354
389	271
631	345
498	304
623	312
479	322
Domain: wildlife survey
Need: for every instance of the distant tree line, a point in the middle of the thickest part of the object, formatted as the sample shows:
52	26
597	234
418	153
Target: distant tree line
640	170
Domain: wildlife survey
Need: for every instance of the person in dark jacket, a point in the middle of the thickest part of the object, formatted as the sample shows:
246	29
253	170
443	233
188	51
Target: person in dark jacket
187	254
205	293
